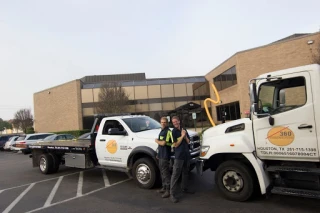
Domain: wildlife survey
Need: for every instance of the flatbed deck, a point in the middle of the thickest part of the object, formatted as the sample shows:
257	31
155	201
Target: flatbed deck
79	145
72	143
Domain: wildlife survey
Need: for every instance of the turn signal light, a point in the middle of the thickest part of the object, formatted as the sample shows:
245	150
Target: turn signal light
204	150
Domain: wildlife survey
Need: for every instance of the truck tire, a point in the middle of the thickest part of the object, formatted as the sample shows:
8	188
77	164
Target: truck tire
46	163
235	181
56	162
145	173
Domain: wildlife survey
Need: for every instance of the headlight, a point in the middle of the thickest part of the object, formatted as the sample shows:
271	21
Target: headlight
204	150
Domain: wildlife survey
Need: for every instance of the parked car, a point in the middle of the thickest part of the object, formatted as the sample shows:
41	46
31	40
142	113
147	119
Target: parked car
85	136
4	139
58	137
10	142
24	141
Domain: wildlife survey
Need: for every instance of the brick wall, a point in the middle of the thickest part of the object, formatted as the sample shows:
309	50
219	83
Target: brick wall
58	108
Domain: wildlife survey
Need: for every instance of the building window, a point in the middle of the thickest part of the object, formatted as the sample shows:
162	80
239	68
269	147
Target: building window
201	91
231	111
226	79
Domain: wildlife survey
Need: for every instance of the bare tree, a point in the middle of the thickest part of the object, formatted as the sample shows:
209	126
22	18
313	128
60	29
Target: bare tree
23	119
112	98
15	124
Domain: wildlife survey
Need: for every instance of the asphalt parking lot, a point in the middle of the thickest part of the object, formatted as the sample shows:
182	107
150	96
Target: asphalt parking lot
25	189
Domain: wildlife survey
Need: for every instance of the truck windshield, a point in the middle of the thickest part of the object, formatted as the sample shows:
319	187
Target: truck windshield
139	124
282	95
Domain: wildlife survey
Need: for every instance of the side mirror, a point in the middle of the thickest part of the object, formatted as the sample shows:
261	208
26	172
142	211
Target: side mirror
254	108
282	97
253	93
116	131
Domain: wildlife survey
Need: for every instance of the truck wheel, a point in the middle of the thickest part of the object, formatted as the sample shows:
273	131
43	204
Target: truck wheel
235	180
56	162
46	163
145	173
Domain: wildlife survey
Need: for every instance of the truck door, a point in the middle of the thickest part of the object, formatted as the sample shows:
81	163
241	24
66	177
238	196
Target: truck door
111	147
289	102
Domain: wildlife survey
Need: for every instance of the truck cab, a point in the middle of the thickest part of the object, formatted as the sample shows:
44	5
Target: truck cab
277	148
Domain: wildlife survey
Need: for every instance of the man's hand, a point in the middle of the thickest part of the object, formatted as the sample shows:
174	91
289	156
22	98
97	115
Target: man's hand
183	133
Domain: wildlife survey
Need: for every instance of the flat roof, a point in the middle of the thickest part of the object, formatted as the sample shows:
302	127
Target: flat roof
152	81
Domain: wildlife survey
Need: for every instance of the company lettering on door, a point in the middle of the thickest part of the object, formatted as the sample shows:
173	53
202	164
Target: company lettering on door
280	137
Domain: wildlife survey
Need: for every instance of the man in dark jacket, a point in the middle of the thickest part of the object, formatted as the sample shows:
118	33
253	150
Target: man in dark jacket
164	150
181	140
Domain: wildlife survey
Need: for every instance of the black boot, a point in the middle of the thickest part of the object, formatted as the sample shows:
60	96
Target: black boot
174	199
166	194
162	190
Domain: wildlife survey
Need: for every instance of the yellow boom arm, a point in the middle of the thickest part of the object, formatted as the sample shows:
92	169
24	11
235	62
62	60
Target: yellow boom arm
213	101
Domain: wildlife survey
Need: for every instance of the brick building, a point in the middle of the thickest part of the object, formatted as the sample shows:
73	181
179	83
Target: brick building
231	77
72	106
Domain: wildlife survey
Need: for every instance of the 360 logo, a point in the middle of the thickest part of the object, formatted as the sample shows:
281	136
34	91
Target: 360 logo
280	136
112	146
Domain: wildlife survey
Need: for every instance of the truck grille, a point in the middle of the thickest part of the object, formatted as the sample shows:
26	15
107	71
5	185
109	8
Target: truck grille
194	143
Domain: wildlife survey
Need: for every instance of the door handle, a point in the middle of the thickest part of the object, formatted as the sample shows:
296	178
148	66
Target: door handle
102	140
305	126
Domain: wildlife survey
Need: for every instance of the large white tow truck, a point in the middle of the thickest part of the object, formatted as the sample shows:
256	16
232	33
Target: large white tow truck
276	149
119	143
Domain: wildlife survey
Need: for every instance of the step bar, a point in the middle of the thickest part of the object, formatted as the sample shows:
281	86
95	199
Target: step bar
293	169
296	192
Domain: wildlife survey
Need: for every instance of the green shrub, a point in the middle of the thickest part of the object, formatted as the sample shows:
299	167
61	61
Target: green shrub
75	133
30	130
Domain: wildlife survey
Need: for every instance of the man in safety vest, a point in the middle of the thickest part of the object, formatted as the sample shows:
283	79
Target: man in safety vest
164	151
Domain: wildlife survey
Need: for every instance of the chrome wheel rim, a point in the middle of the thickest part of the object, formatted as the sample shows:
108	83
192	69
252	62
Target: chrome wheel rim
143	173
43	164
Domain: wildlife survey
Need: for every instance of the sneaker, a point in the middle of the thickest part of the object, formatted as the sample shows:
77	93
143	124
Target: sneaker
166	194
162	190
174	199
187	191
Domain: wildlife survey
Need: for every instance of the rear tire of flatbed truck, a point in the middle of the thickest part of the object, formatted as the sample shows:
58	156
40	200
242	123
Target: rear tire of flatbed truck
56	162
145	173
235	181
46	164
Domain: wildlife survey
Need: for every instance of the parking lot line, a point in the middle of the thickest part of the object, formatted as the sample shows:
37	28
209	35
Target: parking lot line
105	178
80	184
27	184
10	207
67	200
53	192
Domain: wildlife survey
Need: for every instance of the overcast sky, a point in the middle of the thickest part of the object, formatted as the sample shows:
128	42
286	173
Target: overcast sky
47	43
